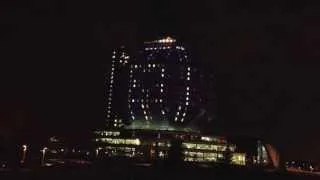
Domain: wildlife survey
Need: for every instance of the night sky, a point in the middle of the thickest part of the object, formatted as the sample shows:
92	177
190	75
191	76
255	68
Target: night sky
54	55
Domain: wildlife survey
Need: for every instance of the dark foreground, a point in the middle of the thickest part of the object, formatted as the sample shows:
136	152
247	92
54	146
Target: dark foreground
147	173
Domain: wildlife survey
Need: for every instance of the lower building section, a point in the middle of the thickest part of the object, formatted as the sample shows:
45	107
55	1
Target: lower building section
187	147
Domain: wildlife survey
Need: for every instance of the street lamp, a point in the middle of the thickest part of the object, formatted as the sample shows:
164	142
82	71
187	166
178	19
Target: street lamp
43	155
24	152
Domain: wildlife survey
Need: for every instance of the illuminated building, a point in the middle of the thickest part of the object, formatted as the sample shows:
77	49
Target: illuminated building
154	143
160	83
117	89
151	97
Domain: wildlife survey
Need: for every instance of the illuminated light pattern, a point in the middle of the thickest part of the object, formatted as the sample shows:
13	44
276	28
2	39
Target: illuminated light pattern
119	141
193	156
238	159
120	62
108	133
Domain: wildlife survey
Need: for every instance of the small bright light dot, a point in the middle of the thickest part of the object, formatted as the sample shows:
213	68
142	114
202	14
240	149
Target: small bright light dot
142	106
162	70
182	119
149	65
134	85
135	66
187	103
184	114
187	98
113	57
146	117
189	68
144	112
188	73
176	118
160	100
161	85
188	78
161	90
132	100
162	75
188	88
153	65
178	113
179	108
187	93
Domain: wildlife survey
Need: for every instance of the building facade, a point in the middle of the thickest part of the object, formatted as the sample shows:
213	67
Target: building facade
160	83
117	84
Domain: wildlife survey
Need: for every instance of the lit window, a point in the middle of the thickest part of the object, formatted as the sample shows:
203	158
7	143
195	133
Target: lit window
160	100
187	98
144	112
184	114
187	93
134	85
187	103
146	117
161	90
135	66
153	65
149	65
142	106
162	111
188	78
182	119
162	75
132	100
179	108
113	57
162	70
175	119
188	73
161	85
188	88
178	113
132	117
189	68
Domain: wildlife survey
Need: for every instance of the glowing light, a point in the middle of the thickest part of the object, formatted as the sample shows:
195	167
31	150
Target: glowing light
162	75
142	106
189	68
184	114
153	65
176	119
136	66
161	85
182	119
179	108
188	78
187	103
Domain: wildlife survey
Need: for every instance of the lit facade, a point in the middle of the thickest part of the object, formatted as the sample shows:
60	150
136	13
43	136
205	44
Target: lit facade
117	89
149	145
160	83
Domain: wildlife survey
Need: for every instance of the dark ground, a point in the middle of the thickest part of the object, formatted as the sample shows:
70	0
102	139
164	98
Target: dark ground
145	173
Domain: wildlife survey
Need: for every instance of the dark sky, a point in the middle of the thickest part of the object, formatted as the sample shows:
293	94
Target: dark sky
265	56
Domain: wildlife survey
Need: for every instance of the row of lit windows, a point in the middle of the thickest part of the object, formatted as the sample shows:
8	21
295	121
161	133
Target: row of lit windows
204	146
119	141
147	100
108	133
156	48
